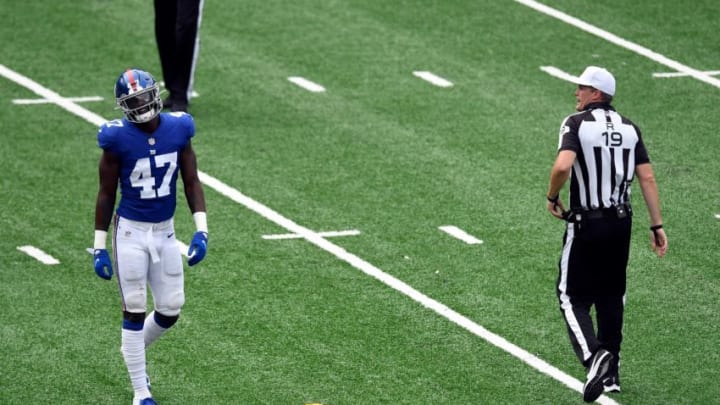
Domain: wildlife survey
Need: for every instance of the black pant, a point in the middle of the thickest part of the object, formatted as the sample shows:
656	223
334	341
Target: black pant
593	272
176	30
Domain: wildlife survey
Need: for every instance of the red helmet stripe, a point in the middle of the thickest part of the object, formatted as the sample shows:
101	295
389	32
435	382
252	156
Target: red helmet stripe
131	80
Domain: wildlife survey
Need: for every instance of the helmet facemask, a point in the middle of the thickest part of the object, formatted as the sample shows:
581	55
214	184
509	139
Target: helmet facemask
141	106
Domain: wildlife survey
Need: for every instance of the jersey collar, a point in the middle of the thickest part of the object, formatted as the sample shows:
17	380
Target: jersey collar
600	104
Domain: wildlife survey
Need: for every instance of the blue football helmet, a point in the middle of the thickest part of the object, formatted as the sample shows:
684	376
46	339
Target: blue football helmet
138	95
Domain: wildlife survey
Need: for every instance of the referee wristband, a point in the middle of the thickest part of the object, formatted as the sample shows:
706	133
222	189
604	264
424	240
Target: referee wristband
555	199
656	227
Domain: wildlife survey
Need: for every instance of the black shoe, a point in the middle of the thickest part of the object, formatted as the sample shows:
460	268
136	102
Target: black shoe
597	372
612	383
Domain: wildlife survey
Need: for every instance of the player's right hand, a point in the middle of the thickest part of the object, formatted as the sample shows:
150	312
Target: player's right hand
103	265
198	248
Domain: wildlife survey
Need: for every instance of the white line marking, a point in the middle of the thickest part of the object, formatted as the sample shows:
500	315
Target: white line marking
38	254
680	74
337	251
52	96
460	234
553	71
641	50
307	84
396	284
433	78
328	234
717	216
46	101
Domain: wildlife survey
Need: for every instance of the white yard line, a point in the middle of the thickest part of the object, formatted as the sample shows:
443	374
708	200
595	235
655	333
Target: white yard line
553	71
460	234
640	50
52	96
397	285
433	78
680	74
339	252
328	234
38	255
307	84
46	101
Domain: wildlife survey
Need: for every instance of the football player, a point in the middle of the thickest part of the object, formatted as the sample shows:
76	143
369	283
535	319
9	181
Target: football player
142	154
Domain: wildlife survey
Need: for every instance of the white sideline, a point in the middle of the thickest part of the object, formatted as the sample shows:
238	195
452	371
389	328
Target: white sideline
339	252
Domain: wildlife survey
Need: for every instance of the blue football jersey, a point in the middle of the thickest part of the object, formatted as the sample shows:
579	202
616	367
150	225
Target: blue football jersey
149	164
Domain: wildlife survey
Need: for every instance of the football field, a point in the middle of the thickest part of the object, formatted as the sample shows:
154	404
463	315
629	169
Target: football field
375	175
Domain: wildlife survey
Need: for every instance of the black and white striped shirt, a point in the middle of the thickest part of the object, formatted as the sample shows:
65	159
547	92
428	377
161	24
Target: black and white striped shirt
608	147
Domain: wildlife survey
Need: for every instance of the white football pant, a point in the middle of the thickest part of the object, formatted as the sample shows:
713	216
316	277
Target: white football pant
147	254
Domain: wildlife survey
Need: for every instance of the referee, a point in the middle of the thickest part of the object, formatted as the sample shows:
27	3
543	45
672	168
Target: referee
177	29
601	152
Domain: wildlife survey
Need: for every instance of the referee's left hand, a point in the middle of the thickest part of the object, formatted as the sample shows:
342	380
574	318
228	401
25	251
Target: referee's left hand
556	208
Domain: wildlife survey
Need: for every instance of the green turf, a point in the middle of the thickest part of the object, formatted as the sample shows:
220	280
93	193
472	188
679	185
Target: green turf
381	151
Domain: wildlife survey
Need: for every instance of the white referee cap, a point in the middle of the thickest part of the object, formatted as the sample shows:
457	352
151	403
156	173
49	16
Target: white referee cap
598	78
